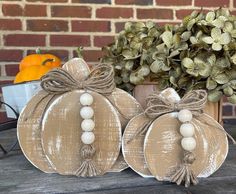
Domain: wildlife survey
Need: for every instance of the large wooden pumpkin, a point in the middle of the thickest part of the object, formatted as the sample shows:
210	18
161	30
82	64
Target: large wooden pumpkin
43	138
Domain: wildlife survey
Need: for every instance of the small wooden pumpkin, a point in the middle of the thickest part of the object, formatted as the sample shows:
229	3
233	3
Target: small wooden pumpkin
152	141
164	153
39	59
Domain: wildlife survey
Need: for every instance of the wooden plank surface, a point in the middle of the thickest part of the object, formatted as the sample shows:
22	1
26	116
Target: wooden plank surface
17	175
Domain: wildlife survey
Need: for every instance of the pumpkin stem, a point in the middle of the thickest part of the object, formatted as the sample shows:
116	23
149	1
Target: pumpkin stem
79	52
38	51
47	60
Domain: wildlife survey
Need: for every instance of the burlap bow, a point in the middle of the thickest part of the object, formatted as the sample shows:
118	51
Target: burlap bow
194	101
157	105
100	80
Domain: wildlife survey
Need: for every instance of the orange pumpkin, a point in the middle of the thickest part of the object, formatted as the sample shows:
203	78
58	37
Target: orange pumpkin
31	73
38	59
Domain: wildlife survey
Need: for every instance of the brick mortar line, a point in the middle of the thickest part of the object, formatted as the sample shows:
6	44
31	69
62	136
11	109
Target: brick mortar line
48	11
96	5
68	48
92	40
174	15
47	40
70	32
113	27
1	41
115	5
227	103
134	13
51	48
90	62
228	117
7	78
93	12
154	3
56	33
1	14
3	71
24	25
231	4
79	19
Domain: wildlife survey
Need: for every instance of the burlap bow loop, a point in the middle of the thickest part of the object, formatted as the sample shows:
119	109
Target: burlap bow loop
157	105
100	80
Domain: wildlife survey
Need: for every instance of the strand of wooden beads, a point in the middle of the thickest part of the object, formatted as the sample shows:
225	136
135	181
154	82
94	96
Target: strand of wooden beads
87	113
185	173
188	142
87	167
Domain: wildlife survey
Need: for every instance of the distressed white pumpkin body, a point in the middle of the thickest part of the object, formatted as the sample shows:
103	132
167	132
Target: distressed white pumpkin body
163	151
61	133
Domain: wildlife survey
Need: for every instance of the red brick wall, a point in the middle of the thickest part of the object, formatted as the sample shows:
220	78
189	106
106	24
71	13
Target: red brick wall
62	25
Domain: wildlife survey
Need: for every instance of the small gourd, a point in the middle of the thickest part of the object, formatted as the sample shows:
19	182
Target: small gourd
39	59
34	66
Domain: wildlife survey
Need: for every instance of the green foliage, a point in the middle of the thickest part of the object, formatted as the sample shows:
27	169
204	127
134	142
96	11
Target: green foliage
197	54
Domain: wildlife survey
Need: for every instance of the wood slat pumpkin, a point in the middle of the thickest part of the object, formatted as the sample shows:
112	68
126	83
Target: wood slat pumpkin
163	151
126	108
152	144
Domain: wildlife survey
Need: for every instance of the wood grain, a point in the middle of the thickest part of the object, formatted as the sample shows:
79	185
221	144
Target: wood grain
127	107
163	151
133	150
61	133
29	133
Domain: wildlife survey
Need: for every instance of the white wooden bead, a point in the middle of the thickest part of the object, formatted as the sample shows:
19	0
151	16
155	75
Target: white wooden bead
86	99
187	130
188	143
86	112
185	115
88	137
87	125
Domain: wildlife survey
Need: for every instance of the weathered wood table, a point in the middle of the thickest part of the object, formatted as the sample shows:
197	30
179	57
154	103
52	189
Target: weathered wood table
17	175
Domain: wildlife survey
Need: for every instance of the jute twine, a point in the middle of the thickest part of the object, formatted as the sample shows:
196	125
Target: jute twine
157	105
100	80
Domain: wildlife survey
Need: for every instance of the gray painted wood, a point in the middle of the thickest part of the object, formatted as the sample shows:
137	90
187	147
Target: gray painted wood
17	175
